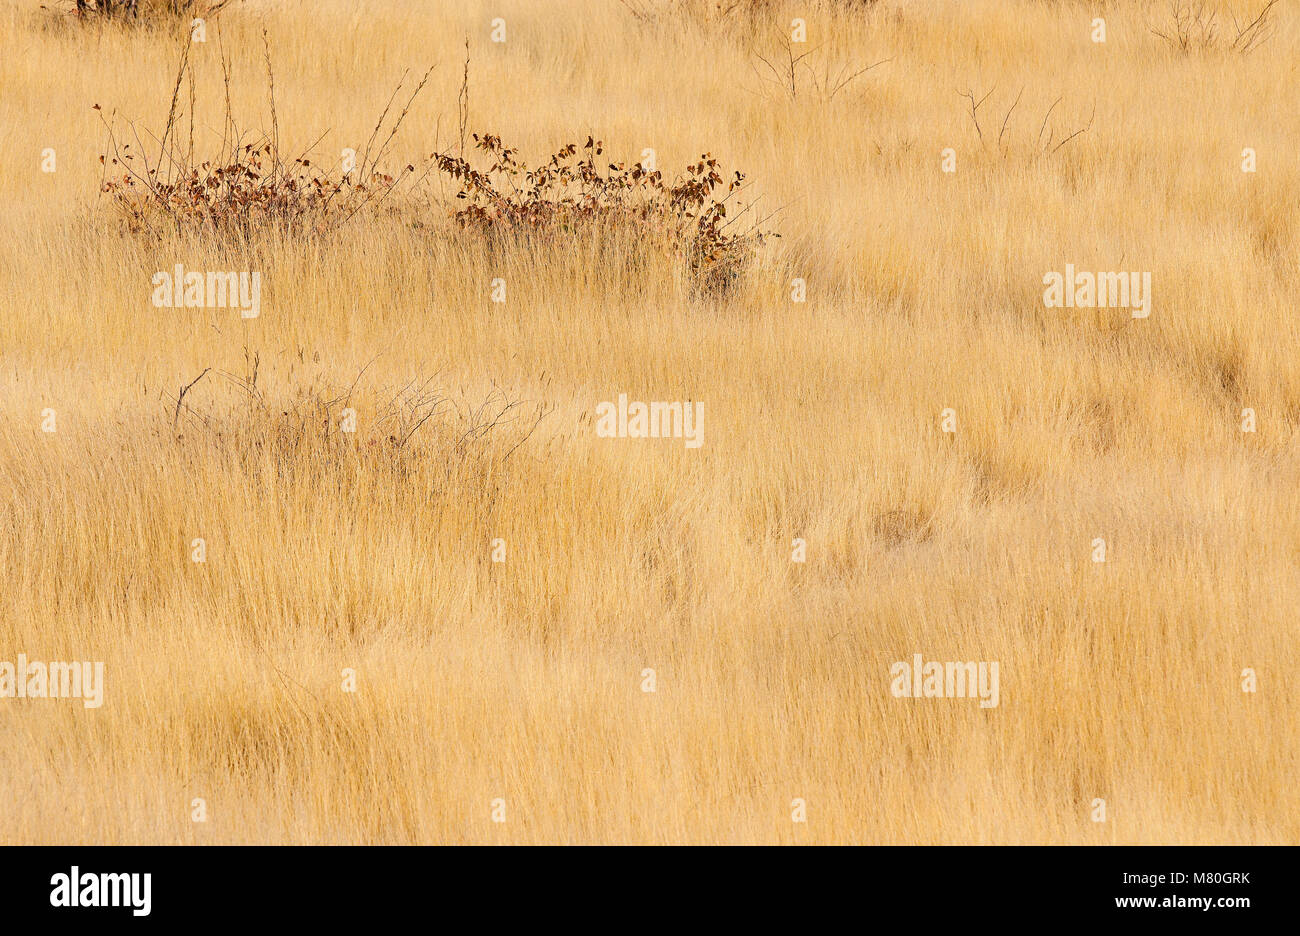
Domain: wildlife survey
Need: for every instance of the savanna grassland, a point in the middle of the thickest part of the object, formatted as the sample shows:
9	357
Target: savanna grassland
522	681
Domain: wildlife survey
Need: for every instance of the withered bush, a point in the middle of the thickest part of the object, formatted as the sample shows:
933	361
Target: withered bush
248	186
247	190
573	194
143	11
722	13
1194	26
340	436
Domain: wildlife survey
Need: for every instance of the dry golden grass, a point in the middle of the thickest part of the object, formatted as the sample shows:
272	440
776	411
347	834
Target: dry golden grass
522	680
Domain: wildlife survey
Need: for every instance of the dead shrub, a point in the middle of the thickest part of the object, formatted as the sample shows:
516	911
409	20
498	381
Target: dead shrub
1193	26
573	194
248	185
142	12
726	13
314	434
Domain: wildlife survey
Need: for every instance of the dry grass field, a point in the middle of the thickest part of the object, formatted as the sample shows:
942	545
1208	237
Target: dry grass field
516	690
